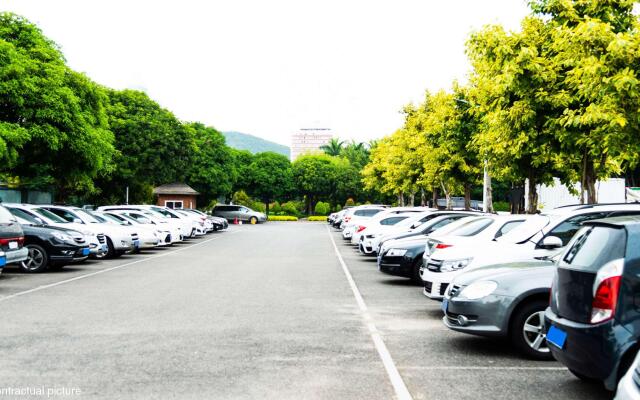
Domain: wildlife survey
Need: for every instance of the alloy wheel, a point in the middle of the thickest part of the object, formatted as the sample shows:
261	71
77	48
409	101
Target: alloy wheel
533	332
34	260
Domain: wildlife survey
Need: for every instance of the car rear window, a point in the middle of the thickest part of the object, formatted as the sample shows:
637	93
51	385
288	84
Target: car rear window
392	220
30	218
594	246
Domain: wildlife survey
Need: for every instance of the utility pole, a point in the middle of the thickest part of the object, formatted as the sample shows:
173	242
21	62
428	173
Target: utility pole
126	199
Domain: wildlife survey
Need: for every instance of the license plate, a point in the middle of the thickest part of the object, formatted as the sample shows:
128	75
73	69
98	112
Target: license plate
85	251
445	303
3	261
556	336
13	245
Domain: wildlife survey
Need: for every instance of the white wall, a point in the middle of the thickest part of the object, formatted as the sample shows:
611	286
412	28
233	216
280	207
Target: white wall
609	191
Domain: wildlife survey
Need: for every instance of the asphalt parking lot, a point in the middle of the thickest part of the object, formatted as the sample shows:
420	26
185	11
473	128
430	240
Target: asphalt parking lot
255	312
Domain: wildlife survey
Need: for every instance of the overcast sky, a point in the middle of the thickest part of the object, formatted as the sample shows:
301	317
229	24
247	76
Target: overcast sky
271	67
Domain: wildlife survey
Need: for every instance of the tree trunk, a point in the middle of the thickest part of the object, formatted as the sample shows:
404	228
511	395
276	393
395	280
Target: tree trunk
532	196
266	206
434	197
590	181
447	196
423	198
412	199
467	196
401	200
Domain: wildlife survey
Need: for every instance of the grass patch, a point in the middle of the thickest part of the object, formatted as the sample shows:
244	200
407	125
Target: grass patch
282	218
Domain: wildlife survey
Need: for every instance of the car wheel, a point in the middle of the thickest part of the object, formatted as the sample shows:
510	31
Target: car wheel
37	260
415	271
253	220
111	250
528	331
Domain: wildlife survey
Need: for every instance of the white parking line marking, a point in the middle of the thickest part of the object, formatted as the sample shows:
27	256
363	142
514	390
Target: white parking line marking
482	368
402	393
102	271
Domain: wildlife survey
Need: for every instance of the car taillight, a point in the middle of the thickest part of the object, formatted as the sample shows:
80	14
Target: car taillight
606	289
443	246
361	228
347	219
6	241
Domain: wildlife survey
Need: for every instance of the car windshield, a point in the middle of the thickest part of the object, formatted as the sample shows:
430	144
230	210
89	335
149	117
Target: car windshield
166	213
472	228
50	216
447	229
525	230
26	216
86	216
108	218
123	219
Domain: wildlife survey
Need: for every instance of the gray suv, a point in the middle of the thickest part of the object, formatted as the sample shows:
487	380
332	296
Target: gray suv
242	213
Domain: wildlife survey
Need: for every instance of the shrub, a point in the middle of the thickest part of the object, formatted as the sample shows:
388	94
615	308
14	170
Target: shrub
350	202
275	207
322	208
257	206
501	206
289	208
315	218
282	218
338	208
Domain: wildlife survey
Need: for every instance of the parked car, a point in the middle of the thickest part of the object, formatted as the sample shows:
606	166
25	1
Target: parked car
217	223
355	214
504	301
188	226
403	257
148	237
200	224
543	235
629	386
361	217
241	213
174	225
11	239
446	256
382	224
97	240
120	240
593	321
51	247
373	240
143	223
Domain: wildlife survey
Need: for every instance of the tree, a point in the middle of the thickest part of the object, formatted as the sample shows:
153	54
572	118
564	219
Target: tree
53	124
153	147
269	177
313	177
209	171
333	148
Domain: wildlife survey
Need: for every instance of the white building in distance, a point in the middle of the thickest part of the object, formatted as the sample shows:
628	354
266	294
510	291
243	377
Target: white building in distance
309	140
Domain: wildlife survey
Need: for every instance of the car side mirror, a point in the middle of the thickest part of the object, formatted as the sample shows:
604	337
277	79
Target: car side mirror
415	225
77	220
551	242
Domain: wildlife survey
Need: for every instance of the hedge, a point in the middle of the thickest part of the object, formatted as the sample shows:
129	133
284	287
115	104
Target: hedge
282	218
317	218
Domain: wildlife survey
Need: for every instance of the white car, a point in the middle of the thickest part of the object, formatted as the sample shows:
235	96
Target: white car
148	236
357	214
198	223
97	240
445	256
169	233
387	223
178	226
120	239
436	220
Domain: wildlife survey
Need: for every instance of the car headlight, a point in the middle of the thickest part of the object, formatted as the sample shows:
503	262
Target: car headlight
396	252
63	237
454	265
478	290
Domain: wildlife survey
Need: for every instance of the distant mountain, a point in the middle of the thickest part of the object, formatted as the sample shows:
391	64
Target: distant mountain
254	144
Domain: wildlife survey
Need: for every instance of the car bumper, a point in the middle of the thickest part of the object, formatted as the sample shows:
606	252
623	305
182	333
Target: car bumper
396	266
68	254
591	350
483	317
17	255
628	389
436	283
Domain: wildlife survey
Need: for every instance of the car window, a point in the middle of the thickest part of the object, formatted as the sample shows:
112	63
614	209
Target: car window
593	247
367	212
474	227
526	230
140	218
569	227
508	227
392	220
66	215
27	216
49	215
117	217
86	216
6	217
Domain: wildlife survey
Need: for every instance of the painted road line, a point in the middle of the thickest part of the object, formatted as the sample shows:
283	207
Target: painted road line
102	271
399	387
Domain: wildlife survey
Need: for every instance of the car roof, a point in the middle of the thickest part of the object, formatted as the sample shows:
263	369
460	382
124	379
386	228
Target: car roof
616	222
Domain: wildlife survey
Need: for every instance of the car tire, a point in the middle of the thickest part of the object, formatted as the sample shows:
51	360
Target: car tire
415	271
253	220
111	250
527	331
38	260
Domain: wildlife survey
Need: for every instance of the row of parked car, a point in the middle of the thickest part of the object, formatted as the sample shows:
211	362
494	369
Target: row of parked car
563	284
36	238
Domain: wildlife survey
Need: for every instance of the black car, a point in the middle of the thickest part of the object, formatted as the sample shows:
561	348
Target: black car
403	257
50	247
593	321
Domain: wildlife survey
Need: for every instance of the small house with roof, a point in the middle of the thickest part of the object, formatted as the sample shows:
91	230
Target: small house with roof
176	195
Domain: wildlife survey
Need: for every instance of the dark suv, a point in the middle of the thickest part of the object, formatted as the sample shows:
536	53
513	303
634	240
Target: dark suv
593	322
